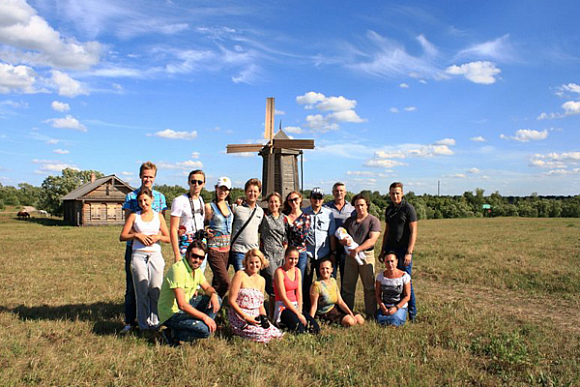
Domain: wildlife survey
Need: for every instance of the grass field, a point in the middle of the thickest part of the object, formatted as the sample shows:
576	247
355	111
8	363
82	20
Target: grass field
498	305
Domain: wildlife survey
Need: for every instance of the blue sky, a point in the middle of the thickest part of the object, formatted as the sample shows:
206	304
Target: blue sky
468	93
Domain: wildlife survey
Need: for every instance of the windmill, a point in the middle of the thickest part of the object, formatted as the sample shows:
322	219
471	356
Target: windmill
280	154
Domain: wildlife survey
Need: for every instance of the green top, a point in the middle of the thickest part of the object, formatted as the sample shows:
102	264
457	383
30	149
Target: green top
180	275
327	295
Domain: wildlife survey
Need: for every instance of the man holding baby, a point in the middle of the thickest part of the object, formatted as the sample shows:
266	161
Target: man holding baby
364	229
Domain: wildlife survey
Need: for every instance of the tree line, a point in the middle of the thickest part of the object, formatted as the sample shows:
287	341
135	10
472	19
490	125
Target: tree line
471	204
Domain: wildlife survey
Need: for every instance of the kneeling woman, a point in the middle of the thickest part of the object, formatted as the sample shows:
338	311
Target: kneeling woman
247	314
146	228
326	302
392	291
288	294
187	314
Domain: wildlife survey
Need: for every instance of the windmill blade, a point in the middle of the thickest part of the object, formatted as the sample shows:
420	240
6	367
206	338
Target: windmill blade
269	122
294	144
242	148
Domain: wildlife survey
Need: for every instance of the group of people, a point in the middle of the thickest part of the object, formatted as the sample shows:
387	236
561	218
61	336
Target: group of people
291	254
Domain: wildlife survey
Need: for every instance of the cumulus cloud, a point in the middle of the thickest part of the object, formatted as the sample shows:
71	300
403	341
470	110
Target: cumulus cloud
571	107
481	72
50	166
526	135
335	110
473	170
549	116
17	79
173	135
61	151
293	129
555	160
60	106
431	150
478	139
403	86
66	85
445	141
410	108
560	172
184	165
34	41
69	122
394	110
389	155
384	163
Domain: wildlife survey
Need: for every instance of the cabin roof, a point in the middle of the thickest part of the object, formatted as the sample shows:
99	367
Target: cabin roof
89	187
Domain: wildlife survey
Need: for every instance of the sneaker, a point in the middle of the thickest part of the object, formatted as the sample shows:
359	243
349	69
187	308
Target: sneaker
126	329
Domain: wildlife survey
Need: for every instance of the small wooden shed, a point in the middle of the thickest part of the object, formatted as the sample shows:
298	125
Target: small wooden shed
97	203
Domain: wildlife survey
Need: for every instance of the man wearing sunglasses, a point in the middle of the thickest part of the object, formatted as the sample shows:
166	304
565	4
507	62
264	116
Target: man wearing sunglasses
321	242
187	216
188	314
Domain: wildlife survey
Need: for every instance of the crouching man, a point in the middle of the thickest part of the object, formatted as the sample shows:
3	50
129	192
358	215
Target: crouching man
187	312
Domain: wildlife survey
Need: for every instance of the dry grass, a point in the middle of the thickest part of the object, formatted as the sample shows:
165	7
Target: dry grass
498	303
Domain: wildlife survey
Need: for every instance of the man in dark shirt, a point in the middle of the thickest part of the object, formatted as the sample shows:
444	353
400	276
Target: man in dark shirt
400	235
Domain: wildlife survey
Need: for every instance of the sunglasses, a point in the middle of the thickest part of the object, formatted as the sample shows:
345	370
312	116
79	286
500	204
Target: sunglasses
316	197
198	182
294	199
196	256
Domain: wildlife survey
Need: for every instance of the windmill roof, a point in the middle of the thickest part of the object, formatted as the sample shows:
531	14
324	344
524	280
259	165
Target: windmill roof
281	135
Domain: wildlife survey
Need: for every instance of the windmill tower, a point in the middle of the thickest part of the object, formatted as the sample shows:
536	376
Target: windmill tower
280	154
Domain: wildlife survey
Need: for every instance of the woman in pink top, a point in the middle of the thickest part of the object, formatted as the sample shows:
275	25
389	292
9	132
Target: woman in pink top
288	295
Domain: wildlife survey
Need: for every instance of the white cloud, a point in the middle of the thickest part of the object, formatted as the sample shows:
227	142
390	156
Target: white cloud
293	129
66	85
431	150
49	166
560	172
389	155
18	79
61	151
309	99
35	42
394	110
247	75
473	170
410	108
338	109
571	87
184	165
571	107
403	86
384	163
549	116
445	141
458	176
555	160
476	72
69	122
195	155
477	139
499	49
525	135
60	106
389	59
173	135
127	173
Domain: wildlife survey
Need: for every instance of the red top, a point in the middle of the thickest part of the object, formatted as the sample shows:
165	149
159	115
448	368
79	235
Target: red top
290	286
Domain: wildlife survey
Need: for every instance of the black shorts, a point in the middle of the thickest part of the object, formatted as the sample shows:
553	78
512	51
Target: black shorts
334	315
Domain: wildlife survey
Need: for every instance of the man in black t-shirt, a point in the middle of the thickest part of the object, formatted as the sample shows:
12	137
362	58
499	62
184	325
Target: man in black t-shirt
400	235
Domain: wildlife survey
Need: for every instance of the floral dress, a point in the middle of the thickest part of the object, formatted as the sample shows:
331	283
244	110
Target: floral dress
250	300
297	231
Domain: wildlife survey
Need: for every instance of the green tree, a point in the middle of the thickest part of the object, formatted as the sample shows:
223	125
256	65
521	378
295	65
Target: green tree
54	188
29	195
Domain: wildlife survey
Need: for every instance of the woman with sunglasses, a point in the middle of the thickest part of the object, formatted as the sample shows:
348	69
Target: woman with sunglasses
297	227
187	216
188	314
220	218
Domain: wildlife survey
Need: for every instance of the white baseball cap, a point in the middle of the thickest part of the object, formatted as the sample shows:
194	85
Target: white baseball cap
224	182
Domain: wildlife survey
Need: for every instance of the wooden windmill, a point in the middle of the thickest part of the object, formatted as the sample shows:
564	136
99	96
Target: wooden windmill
280	154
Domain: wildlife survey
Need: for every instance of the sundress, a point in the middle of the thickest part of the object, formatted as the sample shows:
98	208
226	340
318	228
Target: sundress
250	300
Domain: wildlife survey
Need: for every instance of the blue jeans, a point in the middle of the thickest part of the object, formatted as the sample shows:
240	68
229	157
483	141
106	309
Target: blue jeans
130	301
400	253
396	319
302	262
236	259
188	328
